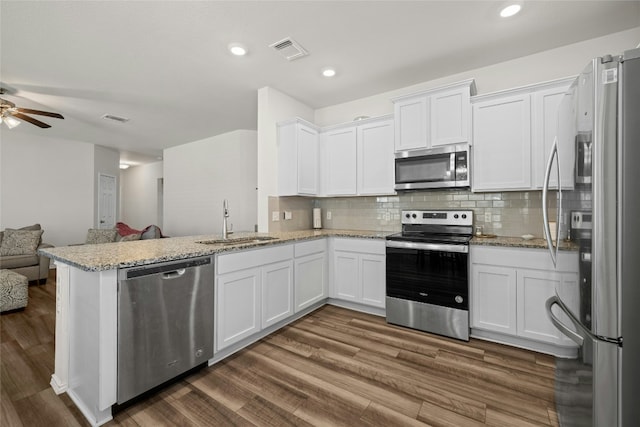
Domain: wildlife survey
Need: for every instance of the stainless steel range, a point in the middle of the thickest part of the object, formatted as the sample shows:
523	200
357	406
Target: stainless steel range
428	272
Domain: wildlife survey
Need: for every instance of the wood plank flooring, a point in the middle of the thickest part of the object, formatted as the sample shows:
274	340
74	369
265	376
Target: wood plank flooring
332	367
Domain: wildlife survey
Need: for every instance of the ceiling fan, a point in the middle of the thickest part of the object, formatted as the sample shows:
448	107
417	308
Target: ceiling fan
9	114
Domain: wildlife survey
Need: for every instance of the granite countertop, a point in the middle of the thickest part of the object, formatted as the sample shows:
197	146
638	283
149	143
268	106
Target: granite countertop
519	242
108	256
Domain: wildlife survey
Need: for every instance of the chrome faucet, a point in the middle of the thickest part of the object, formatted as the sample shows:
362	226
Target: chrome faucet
225	215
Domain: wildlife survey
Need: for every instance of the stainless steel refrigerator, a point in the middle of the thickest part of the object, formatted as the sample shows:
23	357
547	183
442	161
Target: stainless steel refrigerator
598	209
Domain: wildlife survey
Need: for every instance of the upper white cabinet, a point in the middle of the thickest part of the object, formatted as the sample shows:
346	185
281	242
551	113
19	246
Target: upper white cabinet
338	148
358	159
513	132
502	143
545	115
298	158
433	118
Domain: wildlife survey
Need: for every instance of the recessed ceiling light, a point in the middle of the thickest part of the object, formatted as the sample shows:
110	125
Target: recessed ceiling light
124	165
237	49
328	72
510	10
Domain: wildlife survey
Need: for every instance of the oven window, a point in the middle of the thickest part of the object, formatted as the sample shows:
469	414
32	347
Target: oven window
432	168
433	277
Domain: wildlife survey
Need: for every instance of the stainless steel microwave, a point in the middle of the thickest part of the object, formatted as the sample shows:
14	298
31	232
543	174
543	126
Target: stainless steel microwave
442	167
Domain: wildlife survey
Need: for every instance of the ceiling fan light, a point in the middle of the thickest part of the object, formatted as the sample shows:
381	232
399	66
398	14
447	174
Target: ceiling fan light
10	121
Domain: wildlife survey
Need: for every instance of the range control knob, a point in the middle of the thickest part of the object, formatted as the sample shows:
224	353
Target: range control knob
408	216
459	299
464	216
455	216
414	216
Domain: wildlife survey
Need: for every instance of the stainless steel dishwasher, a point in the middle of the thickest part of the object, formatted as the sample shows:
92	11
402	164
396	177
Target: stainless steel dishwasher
165	322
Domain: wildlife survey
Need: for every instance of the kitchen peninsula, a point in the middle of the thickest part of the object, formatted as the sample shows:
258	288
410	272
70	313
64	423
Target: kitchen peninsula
86	358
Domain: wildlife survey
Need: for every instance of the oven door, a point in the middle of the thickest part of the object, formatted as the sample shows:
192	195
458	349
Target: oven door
429	273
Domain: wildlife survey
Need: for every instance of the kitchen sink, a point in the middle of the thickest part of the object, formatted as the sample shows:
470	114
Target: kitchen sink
238	240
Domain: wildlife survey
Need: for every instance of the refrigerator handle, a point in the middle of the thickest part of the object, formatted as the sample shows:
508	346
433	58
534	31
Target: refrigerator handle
575	337
545	191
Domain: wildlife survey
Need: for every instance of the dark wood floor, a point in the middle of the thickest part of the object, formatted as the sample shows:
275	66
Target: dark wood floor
333	367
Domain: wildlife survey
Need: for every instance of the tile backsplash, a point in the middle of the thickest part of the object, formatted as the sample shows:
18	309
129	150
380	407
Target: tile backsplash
505	214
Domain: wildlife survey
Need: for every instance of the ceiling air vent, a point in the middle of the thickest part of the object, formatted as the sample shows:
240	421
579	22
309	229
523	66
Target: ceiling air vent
289	48
115	118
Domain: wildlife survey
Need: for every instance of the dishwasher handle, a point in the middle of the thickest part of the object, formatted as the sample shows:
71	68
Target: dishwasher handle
174	274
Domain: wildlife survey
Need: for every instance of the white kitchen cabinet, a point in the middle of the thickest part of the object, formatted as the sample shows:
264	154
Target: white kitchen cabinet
493	291
358	267
509	288
298	158
513	132
434	117
310	273
534	288
502	143
338	169
545	129
358	159
450	113
254	289
238	306
277	292
375	165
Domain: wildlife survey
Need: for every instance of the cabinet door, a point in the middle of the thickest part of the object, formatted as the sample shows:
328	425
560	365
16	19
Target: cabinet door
535	287
411	123
339	162
450	114
310	280
493	298
237	306
376	167
345	280
545	130
502	144
373	279
277	292
307	160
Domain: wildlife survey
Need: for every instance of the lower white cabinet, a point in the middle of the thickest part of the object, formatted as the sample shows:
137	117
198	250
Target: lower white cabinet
237	306
310	273
277	292
254	289
509	288
358	267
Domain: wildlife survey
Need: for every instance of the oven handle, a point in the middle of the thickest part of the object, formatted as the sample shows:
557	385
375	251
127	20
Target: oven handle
442	247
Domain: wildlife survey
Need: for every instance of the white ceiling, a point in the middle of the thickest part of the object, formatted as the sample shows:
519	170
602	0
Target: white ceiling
165	64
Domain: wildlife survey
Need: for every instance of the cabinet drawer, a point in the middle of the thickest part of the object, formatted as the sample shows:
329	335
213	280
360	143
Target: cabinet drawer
311	247
368	246
226	263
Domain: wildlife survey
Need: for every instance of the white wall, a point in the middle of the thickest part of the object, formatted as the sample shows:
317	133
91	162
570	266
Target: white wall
197	178
139	195
106	161
548	65
273	107
47	181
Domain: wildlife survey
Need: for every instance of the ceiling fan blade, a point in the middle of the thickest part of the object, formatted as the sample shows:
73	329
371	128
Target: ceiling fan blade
41	113
31	120
5	102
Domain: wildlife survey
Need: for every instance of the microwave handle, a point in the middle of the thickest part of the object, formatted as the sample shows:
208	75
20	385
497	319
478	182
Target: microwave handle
545	191
452	164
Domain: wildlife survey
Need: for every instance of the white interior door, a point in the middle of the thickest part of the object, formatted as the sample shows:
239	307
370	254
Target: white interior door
106	201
